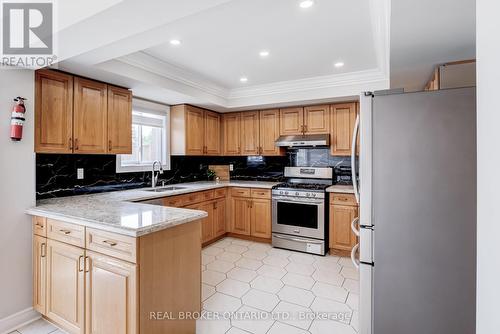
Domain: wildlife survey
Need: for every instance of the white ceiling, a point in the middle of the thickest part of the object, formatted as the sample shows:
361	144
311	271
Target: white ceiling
127	43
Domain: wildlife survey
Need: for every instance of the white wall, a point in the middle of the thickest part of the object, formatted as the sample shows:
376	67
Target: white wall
17	192
488	150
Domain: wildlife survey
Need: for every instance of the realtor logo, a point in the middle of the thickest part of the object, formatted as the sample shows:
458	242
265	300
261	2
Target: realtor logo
27	28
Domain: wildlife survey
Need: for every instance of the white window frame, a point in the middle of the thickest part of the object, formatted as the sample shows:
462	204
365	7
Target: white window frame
152	108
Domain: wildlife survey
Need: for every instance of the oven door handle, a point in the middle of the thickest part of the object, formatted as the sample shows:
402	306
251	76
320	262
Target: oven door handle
297	239
316	202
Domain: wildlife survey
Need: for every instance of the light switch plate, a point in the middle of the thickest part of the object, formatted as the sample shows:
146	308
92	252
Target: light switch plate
79	173
231	167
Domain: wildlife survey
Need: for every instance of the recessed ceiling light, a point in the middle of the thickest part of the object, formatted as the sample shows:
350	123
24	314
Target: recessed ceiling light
175	42
264	53
306	3
243	79
339	64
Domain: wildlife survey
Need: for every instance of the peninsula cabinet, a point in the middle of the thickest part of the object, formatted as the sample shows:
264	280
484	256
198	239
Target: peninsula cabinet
343	118
305	120
78	115
194	131
111	283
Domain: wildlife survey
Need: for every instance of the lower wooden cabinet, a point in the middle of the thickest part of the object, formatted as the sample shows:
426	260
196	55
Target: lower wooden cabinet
260	218
110	295
240	215
219	221
342	237
66	286
251	212
39	273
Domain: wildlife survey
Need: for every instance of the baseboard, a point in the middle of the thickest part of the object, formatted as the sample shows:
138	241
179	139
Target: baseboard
19	319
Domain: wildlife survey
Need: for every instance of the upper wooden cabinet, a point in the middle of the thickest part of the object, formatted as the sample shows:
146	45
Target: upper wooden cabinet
343	117
231	125
292	121
90	116
77	115
249	135
53	112
119	120
269	132
317	119
307	120
194	131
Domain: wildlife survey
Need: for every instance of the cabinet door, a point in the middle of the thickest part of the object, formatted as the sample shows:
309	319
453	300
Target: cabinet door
90	116
261	218
119	120
343	118
39	273
249	136
212	133
269	132
53	112
291	121
231	129
195	131
219	217
207	226
341	235
111	299
241	215
65	286
317	119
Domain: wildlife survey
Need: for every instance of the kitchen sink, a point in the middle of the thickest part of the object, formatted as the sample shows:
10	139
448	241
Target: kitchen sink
160	190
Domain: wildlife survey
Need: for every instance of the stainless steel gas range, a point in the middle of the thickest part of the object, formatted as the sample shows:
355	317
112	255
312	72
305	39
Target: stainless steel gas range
300	210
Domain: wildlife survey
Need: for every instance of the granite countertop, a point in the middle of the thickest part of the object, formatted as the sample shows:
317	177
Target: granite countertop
340	189
117	211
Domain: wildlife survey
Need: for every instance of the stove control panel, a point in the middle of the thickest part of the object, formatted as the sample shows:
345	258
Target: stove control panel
298	193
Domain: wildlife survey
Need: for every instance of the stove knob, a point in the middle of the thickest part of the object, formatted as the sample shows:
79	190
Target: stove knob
286	192
308	194
297	193
313	195
281	192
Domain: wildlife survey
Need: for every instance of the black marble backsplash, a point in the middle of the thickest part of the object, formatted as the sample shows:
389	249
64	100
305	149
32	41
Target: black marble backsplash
56	174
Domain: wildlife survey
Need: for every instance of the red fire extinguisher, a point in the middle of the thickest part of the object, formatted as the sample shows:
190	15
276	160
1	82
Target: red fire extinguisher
17	119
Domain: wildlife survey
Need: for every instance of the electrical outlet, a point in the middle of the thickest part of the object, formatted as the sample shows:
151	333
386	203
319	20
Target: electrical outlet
231	167
79	173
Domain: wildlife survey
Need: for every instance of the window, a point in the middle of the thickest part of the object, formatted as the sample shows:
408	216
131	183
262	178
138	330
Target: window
150	138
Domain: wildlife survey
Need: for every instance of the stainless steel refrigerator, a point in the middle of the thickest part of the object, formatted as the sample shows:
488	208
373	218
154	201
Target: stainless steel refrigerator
417	224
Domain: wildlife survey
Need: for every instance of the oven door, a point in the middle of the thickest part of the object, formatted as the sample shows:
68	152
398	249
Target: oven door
299	216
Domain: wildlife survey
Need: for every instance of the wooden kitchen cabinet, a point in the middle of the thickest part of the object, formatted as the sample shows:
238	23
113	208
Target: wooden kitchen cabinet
90	116
292	121
194	131
269	131
241	215
53	112
220	213
111	298
65	286
39	273
343	210
317	119
249	135
207	224
343	118
260	218
231	124
119	120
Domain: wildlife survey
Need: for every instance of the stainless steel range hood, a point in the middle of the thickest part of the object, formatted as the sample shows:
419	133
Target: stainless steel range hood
303	141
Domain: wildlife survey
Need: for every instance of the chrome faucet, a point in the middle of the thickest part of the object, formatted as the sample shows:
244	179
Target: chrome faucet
154	176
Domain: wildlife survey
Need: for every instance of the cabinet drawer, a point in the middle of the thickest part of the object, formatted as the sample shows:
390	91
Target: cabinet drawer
112	244
40	226
193	198
343	199
207	195
261	193
221	192
175	201
240	192
65	232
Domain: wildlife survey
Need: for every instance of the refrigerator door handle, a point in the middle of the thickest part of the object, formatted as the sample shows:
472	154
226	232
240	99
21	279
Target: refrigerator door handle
353	226
353	159
355	262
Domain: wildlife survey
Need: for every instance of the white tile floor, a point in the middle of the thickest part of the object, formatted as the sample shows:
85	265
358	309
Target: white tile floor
254	288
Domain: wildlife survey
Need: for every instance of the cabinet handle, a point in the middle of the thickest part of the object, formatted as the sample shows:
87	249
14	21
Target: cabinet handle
305	128
43	249
109	242
239	149
40	225
110	146
215	205
70	143
65	231
80	258
76	144
87	264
